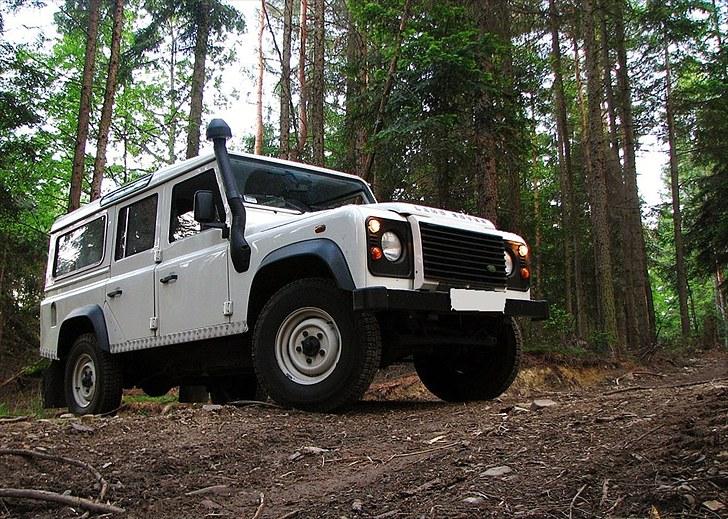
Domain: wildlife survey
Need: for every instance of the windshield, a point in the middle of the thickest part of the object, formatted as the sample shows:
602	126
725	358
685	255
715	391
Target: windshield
291	188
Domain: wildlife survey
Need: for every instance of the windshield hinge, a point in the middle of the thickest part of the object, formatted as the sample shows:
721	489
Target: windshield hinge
157	255
153	323
227	308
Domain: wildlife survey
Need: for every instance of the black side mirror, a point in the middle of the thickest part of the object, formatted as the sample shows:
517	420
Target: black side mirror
204	207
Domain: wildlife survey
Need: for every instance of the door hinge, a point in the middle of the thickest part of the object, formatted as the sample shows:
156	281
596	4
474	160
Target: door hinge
227	308
153	323
157	255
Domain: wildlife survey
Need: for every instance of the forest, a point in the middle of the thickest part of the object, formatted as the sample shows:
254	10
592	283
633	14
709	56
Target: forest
531	114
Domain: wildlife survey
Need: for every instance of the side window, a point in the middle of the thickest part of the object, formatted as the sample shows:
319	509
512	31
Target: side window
136	228
182	219
81	247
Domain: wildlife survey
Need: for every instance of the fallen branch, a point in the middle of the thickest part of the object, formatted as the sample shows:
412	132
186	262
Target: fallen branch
425	451
260	506
24	453
45	495
243	403
13	378
14	419
571	506
671	386
654	429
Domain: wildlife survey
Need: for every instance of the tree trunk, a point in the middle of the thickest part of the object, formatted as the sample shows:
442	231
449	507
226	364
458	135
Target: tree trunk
317	85
109	96
681	274
198	78
388	82
259	87
622	261
172	124
563	145
285	115
356	82
84	109
579	288
600	219
640	281
303	90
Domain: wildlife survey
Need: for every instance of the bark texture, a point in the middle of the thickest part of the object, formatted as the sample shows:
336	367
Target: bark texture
198	78
285	101
109	96
258	149
317	85
84	109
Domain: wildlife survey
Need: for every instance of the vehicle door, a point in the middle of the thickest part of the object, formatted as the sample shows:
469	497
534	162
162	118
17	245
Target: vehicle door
192	278
130	288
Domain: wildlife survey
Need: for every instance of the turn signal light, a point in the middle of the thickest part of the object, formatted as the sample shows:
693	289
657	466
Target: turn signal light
376	253
525	273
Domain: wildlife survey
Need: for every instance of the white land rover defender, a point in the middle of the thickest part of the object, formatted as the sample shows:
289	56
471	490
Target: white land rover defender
238	272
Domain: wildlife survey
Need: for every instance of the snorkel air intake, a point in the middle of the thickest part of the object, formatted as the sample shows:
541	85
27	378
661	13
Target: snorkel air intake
219	132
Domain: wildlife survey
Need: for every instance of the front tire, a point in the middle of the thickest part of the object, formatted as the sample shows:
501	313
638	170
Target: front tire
475	372
93	378
311	351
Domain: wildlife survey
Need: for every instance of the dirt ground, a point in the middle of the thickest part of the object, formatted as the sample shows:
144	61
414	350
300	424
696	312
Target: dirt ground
607	447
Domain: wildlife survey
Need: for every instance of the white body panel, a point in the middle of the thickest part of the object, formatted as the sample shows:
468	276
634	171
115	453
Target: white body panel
209	298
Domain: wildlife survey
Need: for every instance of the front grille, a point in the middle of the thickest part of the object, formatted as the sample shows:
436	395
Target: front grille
462	259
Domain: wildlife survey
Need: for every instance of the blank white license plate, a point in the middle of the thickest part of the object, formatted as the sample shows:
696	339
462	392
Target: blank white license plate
477	300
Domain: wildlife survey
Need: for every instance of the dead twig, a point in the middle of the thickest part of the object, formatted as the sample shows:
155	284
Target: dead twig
571	506
641	436
425	451
671	386
290	514
45	495
13	378
14	419
24	453
243	403
260	506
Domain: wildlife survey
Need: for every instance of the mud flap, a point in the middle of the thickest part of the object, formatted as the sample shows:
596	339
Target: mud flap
53	393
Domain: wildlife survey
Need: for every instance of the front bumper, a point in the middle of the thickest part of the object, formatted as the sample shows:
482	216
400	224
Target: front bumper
379	299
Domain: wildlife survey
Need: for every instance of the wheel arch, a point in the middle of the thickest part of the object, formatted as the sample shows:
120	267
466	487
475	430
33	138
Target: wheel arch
319	257
85	319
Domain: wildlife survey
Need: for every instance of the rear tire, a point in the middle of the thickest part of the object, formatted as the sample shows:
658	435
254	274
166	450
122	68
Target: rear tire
93	378
473	373
311	351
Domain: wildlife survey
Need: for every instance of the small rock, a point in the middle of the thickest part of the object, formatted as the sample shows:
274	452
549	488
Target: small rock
67	415
82	428
542	403
689	499
713	505
497	471
211	407
475	501
208	503
357	505
723	455
313	450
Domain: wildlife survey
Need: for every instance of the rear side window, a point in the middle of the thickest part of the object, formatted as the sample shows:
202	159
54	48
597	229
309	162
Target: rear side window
136	229
80	248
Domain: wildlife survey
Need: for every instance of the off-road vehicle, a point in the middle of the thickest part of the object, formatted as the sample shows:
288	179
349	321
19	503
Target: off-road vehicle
237	272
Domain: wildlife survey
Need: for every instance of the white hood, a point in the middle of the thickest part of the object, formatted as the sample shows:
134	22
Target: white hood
432	212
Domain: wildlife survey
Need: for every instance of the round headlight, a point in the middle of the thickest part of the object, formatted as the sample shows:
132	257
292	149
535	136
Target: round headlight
509	263
391	246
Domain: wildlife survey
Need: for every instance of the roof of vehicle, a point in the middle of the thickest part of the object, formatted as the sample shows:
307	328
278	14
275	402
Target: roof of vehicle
167	173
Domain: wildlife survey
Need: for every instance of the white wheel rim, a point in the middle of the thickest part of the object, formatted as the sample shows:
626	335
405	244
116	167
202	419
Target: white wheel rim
84	380
303	331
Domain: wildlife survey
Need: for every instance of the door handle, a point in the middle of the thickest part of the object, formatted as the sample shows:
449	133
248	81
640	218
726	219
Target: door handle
167	279
114	293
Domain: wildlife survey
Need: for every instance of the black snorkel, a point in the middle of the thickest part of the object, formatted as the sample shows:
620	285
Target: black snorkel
219	132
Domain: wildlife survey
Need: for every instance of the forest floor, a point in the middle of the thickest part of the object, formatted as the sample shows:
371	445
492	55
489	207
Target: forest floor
562	443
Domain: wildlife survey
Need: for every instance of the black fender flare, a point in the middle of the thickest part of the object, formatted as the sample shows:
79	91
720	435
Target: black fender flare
91	313
322	248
